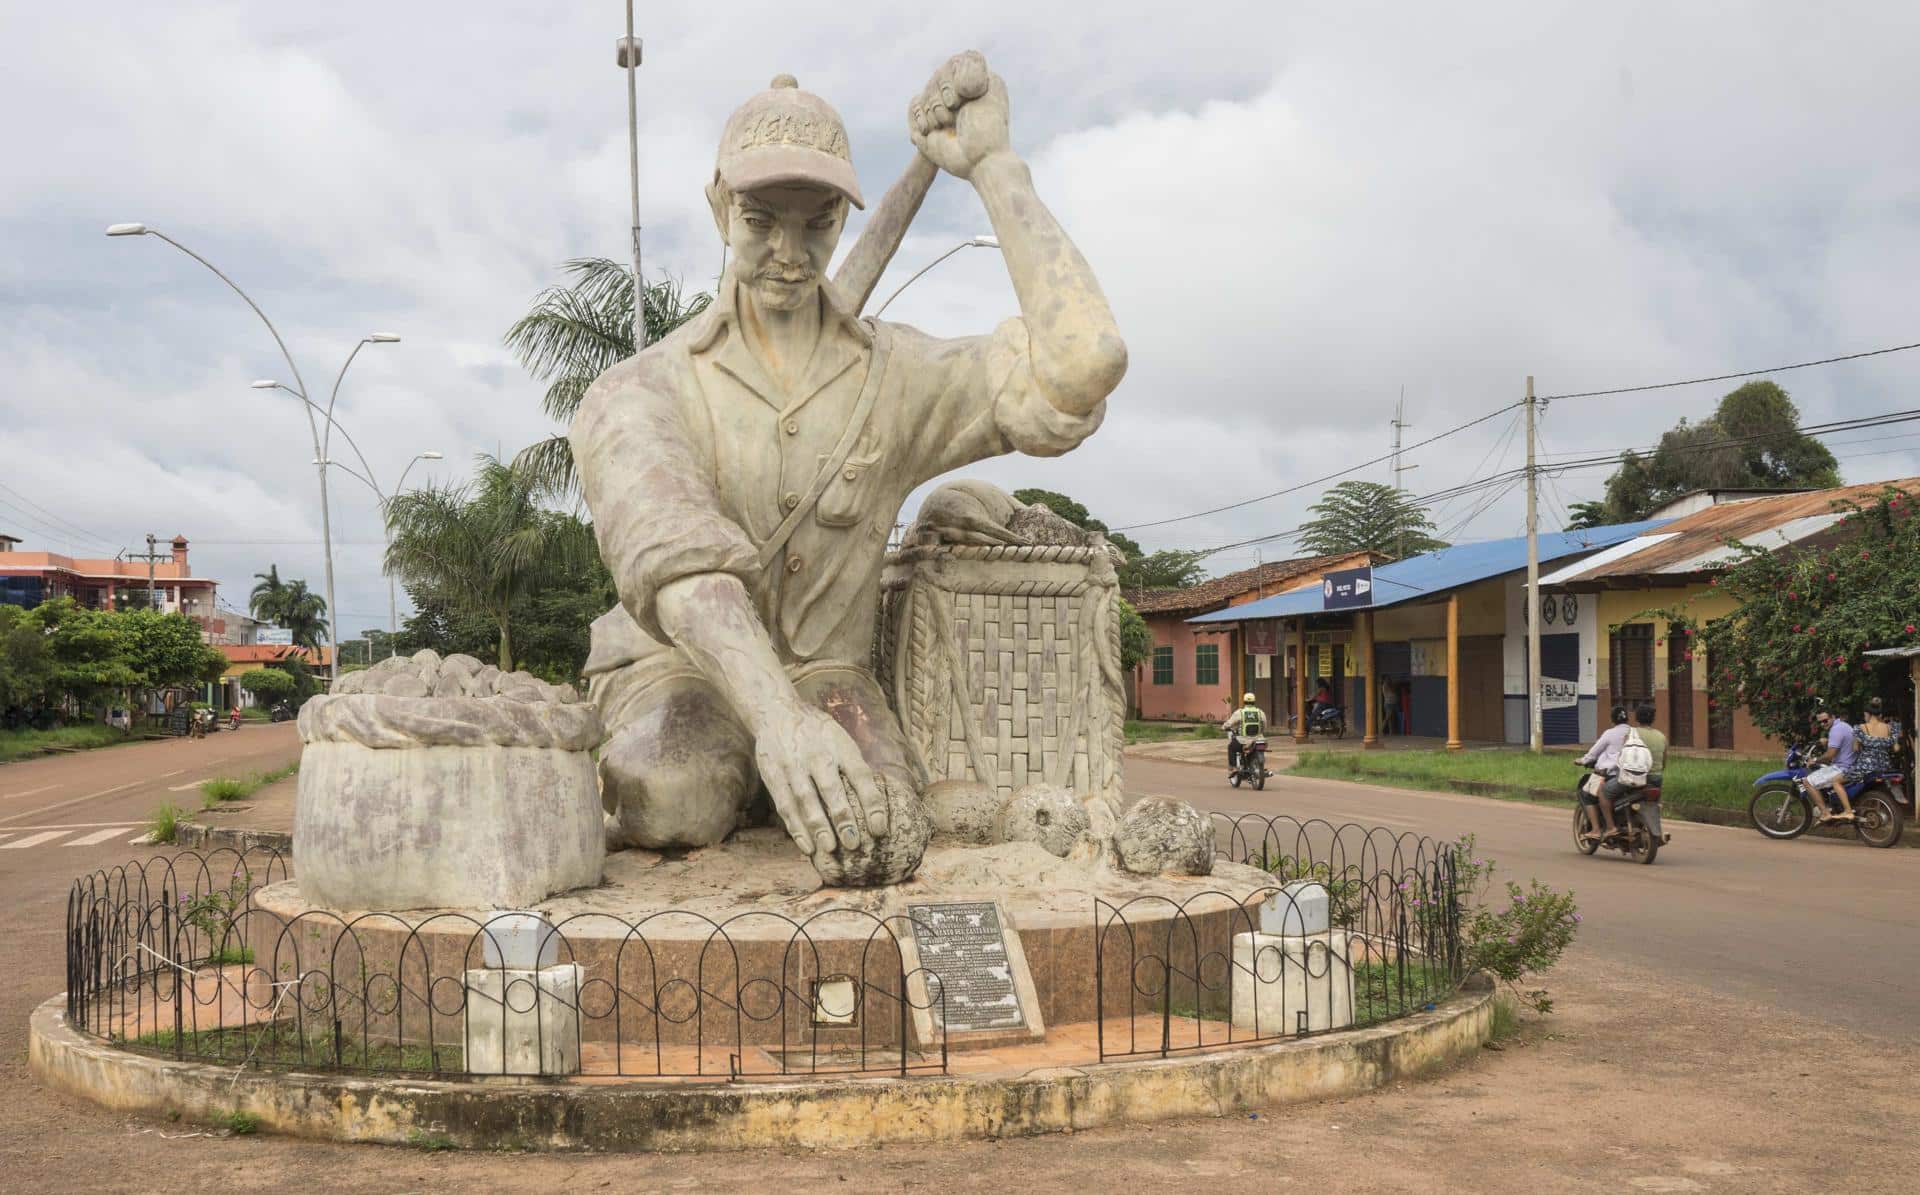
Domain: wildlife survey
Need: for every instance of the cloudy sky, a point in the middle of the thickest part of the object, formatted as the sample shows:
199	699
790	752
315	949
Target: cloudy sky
1296	209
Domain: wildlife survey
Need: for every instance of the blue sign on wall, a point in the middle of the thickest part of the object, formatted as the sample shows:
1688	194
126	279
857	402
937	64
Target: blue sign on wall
1347	589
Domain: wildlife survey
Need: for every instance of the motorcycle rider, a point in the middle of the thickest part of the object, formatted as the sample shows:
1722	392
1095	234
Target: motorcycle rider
1249	720
1604	758
1831	771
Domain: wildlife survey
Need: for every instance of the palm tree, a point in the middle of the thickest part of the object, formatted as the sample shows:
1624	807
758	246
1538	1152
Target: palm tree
269	597
484	544
572	335
305	615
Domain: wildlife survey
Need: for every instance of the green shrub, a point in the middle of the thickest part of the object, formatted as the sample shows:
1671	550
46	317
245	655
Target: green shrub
164	823
242	1124
1518	939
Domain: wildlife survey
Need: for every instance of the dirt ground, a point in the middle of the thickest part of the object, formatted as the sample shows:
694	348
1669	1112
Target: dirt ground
1696	1092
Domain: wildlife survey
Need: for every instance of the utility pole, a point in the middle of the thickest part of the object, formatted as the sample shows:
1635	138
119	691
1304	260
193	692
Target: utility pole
1535	735
1400	424
150	558
629	60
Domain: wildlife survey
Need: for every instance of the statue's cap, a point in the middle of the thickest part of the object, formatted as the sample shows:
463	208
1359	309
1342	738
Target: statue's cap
786	135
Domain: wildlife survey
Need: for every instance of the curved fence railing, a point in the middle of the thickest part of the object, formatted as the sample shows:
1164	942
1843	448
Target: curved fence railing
178	956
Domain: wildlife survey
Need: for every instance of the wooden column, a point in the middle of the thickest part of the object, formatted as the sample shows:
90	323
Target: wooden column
1368	693
1453	671
1300	680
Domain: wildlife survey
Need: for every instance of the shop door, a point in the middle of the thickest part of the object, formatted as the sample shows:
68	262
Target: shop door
1679	696
1560	661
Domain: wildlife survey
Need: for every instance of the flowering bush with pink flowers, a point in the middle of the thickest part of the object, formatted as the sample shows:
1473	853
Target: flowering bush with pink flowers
1515	935
1808	613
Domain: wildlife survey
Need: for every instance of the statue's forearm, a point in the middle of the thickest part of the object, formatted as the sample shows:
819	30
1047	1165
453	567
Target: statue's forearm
712	620
1078	356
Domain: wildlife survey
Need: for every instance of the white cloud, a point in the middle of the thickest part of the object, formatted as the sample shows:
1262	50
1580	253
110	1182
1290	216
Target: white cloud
1295	210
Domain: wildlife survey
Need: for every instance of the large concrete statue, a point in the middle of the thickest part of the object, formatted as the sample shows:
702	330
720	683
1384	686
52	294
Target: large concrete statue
745	472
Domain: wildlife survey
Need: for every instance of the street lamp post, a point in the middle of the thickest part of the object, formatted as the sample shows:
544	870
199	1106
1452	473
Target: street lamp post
367	479
628	57
985	241
299	387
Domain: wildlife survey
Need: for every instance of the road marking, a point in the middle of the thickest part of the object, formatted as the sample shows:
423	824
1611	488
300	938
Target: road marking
99	836
172	774
69	801
180	788
29	792
32	840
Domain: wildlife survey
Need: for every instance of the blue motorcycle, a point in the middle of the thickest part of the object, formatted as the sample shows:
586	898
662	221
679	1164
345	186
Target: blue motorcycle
1781	808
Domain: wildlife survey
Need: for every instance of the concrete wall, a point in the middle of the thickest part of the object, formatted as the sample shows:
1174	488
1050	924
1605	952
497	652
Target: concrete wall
1185	697
1703	603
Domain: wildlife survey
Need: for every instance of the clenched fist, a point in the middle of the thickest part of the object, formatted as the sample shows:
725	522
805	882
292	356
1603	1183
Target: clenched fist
960	118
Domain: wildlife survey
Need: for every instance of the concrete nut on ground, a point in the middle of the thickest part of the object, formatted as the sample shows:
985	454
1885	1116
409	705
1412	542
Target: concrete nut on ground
1160	835
1048	815
964	811
428	783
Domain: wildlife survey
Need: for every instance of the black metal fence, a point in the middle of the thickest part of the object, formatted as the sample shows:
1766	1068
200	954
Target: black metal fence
180	956
1360	926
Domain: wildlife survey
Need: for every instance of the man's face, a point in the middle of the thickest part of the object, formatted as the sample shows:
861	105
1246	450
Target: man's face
782	239
1825	721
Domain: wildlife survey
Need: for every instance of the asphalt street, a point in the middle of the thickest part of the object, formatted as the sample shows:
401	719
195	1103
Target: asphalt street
1826	929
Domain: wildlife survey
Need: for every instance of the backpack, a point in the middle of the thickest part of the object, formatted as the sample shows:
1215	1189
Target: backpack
1636	761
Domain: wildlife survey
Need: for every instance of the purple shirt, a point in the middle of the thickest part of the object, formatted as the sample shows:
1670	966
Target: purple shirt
1840	741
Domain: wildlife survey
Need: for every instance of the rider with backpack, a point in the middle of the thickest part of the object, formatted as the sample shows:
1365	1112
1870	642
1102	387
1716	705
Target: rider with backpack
1625	760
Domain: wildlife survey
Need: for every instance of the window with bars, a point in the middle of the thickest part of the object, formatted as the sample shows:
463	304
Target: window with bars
1163	665
1206	664
1631	667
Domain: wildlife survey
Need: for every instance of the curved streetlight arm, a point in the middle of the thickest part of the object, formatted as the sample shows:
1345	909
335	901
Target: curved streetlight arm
334	396
923	269
400	485
275	332
364	480
334	425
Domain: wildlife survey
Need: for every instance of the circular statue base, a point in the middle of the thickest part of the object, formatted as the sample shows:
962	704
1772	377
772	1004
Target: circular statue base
739	946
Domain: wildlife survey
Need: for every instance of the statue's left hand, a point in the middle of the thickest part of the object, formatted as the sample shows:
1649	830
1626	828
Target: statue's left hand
960	118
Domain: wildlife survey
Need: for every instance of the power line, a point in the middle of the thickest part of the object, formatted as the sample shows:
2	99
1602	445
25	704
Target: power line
1724	377
1293	489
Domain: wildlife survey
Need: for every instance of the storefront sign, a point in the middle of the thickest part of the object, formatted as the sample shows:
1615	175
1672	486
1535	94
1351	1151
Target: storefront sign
1263	639
1347	589
1557	694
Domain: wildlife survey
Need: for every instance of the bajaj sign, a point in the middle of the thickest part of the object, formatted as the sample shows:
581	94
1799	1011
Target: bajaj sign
1347	589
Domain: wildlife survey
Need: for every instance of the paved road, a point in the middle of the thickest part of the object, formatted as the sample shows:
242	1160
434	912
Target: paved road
1822	929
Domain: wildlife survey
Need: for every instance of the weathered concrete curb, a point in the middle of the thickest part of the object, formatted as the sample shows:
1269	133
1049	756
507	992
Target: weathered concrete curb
199	836
831	1114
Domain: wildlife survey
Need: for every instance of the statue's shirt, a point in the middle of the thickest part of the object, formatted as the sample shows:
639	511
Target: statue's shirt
691	457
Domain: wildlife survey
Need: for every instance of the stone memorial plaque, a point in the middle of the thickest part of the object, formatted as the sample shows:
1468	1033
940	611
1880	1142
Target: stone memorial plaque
965	945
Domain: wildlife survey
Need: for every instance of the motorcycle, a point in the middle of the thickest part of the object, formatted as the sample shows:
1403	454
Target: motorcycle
1637	812
1252	765
1781	809
281	712
1326	720
233	722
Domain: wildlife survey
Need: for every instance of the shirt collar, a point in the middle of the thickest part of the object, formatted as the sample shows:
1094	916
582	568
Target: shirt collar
843	340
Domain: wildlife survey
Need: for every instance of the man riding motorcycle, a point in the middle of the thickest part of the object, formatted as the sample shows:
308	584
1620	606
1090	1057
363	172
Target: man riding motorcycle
1604	758
1249	721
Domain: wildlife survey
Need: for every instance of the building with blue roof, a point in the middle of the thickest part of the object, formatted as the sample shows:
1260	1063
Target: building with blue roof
1434	645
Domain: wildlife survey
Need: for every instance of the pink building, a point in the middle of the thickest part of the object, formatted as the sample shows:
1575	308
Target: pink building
1199	674
29	578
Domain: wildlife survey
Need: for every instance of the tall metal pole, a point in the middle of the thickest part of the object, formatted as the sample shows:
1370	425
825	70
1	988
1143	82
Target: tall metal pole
1535	734
630	59
150	556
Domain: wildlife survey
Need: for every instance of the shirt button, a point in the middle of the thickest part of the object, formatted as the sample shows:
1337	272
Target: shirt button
790	500
851	474
793	427
794	564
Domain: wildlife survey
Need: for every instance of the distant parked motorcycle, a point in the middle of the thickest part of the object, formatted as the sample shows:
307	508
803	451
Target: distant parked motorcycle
1781	808
280	712
1328	720
1637	814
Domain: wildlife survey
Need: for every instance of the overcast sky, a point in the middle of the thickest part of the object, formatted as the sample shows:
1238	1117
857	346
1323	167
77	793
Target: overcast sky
1297	210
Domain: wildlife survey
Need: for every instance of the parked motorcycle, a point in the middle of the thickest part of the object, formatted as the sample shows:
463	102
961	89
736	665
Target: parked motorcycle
1252	766
1781	808
1328	720
280	712
1637	812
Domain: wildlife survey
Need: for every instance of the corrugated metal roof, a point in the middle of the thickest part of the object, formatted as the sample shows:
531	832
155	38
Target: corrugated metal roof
1697	543
1278	575
1435	573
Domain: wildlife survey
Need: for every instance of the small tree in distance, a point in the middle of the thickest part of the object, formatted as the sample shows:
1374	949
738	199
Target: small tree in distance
1365	516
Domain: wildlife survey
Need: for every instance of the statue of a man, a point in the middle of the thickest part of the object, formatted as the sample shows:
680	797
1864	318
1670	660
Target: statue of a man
745	472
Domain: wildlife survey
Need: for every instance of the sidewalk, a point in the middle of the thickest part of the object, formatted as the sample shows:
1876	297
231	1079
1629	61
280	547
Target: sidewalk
263	821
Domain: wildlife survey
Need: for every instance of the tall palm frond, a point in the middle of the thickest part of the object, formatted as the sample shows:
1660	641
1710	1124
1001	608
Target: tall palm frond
574	333
268	599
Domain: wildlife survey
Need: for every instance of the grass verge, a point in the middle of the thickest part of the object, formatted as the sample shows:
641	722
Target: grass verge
279	1043
1722	783
20	744
1161	732
233	788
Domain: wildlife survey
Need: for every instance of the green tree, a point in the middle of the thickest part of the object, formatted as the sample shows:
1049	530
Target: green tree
574	333
1136	641
1584	515
1168	568
1805	615
484	545
305	615
1365	516
1752	441
267	685
268	599
163	650
26	664
88	650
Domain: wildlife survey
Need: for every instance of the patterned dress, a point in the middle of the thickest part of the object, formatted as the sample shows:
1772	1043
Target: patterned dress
1872	755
